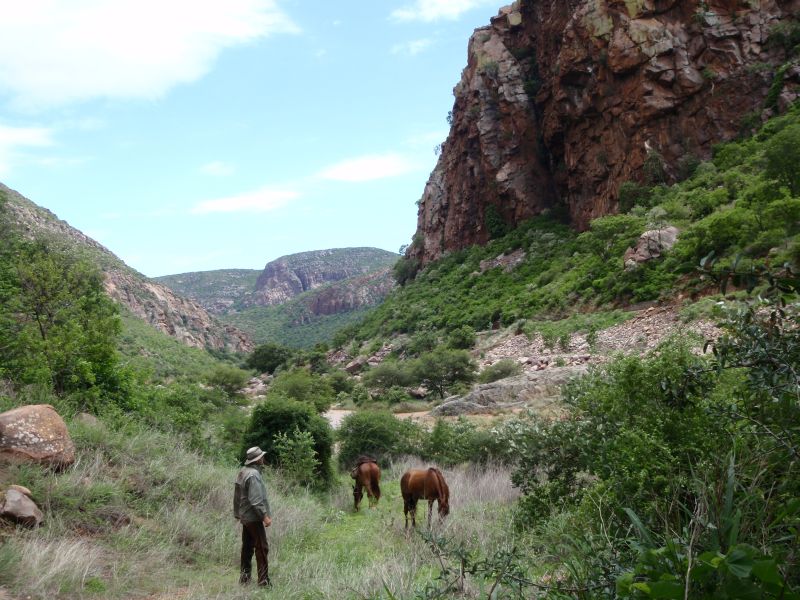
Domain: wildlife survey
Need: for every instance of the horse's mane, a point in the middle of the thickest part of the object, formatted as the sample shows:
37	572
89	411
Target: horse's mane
442	485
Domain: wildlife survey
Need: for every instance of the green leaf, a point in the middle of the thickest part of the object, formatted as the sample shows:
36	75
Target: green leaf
644	534
666	589
739	562
767	571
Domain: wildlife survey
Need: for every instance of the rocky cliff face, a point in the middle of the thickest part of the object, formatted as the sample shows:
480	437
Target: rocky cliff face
564	100
352	294
290	276
178	317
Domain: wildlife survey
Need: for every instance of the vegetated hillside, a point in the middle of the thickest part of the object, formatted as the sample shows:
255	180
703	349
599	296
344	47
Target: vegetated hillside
216	291
176	316
315	316
562	102
298	300
744	203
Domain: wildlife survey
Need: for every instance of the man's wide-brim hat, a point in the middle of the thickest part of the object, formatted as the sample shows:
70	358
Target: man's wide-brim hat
253	454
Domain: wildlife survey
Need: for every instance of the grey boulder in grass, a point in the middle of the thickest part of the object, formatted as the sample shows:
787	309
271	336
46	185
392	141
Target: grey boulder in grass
17	505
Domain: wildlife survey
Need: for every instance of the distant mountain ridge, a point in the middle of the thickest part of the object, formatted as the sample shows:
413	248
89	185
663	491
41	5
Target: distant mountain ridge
216	291
297	299
154	303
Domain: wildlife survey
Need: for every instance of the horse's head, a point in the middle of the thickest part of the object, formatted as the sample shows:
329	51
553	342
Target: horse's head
444	508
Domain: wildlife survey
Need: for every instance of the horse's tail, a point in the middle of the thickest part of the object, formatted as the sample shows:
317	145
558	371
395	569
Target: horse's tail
444	498
376	488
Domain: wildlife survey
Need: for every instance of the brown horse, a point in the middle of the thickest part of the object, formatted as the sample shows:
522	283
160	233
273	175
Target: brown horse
426	484
367	474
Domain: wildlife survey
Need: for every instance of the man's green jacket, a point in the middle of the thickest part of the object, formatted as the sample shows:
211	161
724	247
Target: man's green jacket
250	496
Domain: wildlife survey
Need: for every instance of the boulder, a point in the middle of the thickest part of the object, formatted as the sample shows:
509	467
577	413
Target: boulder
538	390
419	392
35	433
18	506
356	365
652	244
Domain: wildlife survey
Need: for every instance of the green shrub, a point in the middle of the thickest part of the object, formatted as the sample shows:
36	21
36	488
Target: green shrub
632	194
388	374
360	395
284	415
443	368
296	456
395	395
462	338
378	434
268	357
460	442
634	426
302	385
341	381
405	270
495	223
500	370
783	158
229	380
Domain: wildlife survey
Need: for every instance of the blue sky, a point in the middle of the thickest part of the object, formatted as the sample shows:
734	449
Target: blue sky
192	135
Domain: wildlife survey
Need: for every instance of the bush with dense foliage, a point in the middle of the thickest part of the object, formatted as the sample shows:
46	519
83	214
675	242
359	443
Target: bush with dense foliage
228	379
268	357
378	434
442	368
300	384
297	457
500	370
283	415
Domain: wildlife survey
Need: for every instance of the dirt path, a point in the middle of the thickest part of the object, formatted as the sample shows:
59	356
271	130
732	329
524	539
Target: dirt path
336	416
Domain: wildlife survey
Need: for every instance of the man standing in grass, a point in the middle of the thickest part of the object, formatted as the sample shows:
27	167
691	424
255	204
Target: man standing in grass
251	508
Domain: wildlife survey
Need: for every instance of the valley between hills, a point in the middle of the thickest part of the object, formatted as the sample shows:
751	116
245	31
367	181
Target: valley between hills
593	333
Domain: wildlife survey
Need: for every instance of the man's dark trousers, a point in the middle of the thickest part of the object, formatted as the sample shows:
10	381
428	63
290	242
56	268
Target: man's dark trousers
254	539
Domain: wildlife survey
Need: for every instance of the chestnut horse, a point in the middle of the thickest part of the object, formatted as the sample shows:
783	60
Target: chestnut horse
426	484
367	474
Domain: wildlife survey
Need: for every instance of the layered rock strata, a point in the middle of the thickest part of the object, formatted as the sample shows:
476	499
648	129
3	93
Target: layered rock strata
562	101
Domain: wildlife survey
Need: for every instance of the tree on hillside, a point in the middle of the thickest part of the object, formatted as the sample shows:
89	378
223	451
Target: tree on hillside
268	357
783	158
58	326
442	368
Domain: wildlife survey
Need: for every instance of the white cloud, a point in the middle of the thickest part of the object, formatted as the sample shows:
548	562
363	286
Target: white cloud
12	139
368	168
218	168
54	52
433	10
412	48
263	200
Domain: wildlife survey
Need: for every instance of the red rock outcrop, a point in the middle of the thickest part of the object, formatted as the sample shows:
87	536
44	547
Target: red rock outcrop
355	293
562	101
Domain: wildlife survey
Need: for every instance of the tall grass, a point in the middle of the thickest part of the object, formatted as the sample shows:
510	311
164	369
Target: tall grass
138	515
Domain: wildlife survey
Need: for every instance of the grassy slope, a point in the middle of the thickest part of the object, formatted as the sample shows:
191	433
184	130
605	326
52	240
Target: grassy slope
275	323
147	349
728	206
137	516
